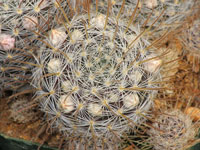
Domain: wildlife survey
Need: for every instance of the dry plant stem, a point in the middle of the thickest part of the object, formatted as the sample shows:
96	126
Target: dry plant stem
40	132
43	141
21	93
61	143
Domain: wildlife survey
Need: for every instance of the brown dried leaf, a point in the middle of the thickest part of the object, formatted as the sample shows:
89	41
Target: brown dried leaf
193	112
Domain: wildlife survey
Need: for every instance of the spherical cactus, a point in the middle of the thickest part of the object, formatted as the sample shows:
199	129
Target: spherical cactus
96	78
172	130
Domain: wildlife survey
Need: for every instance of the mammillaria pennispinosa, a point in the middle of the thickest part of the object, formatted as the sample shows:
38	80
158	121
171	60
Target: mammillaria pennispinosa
96	78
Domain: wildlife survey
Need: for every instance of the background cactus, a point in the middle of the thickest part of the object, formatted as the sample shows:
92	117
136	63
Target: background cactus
173	130
167	14
190	40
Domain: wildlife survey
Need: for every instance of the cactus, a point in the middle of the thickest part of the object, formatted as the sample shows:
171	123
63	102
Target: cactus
161	15
20	18
95	78
173	130
190	40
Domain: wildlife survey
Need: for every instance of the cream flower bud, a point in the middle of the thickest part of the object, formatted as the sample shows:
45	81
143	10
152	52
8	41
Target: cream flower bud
54	66
131	101
57	36
136	75
66	103
151	3
153	65
95	109
99	21
77	35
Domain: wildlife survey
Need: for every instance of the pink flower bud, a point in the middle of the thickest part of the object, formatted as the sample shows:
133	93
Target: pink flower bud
6	42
